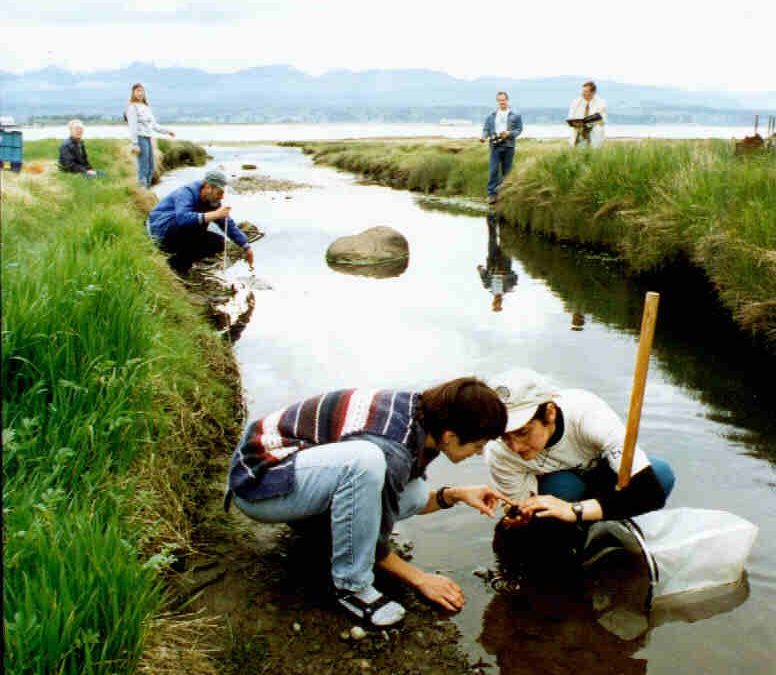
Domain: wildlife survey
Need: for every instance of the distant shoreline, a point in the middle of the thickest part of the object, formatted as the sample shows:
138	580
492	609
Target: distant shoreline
211	132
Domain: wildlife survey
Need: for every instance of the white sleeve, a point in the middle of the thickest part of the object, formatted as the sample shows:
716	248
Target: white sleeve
602	110
155	125
602	431
512	480
132	122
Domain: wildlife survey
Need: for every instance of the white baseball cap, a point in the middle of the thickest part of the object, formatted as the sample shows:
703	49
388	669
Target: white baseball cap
523	390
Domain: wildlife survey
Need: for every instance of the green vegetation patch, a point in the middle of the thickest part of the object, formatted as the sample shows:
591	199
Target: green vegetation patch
115	395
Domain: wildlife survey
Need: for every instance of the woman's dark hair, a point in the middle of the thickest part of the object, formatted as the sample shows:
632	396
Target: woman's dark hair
467	406
590	84
541	413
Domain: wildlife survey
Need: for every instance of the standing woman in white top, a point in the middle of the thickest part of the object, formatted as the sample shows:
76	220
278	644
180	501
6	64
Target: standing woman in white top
589	103
142	125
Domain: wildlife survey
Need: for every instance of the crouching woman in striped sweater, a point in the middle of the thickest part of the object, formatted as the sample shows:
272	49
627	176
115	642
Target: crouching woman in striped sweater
362	455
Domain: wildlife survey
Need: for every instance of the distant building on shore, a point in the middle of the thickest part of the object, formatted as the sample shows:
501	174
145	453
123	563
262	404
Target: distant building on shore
454	122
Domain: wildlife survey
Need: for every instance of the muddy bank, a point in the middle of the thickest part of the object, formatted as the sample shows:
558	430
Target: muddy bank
255	182
270	589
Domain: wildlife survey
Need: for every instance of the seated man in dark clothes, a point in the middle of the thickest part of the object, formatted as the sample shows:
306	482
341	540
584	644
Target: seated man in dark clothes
179	223
72	153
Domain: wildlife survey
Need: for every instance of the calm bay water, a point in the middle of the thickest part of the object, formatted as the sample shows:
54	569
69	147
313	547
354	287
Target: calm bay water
708	406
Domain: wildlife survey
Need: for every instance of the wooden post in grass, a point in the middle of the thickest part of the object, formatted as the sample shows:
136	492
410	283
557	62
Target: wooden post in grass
639	384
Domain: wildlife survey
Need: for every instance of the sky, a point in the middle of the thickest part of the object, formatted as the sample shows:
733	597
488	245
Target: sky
683	43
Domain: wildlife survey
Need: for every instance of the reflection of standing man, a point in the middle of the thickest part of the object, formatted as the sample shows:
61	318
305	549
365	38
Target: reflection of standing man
501	128
497	275
587	132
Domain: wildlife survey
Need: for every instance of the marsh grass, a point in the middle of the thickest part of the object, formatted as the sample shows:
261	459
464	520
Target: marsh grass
115	396
653	202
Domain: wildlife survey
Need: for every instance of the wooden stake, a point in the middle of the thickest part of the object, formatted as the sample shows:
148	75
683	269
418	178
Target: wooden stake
648	321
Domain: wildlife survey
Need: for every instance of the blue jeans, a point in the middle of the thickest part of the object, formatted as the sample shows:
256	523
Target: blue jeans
500	160
571	486
145	161
347	478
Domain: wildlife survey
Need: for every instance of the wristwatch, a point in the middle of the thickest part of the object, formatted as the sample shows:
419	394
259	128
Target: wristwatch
578	510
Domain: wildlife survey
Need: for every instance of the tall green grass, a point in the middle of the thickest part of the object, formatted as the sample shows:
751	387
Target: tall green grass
653	202
114	396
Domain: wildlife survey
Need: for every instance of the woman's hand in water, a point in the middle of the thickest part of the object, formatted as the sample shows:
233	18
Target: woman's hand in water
441	590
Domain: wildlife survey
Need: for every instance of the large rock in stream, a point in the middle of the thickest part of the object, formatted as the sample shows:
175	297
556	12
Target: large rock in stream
370	252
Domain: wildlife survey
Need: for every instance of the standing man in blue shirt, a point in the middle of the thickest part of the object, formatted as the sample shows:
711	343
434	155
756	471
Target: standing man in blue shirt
179	223
501	128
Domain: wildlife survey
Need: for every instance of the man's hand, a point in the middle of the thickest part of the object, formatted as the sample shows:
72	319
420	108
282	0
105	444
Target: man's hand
482	140
481	497
172	134
221	212
249	257
441	590
503	134
135	149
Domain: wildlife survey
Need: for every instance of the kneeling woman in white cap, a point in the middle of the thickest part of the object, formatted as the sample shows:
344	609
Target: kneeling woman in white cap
561	453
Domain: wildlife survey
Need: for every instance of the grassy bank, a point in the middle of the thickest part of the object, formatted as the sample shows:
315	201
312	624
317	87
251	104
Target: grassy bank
652	202
116	395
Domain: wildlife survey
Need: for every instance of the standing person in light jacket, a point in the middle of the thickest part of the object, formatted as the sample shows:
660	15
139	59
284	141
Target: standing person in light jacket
142	125
501	128
361	457
588	103
179	224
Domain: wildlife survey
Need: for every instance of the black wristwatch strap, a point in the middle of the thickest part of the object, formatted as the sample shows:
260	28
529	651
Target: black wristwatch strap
578	510
440	498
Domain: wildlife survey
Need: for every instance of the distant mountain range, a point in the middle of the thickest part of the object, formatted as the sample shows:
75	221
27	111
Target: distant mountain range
285	94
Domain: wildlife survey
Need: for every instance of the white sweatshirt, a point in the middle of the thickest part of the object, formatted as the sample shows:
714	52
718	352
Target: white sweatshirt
592	432
142	122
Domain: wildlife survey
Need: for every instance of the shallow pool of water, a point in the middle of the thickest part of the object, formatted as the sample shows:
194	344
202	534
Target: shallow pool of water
708	406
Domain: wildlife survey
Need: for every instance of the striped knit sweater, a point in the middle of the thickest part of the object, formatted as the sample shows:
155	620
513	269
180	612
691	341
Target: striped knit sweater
328	418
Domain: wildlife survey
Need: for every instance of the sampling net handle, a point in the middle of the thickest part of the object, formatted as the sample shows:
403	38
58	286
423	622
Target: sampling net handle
648	320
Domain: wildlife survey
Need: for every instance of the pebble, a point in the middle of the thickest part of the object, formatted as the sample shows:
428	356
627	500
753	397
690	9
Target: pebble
345	634
364	664
297	628
482	573
357	633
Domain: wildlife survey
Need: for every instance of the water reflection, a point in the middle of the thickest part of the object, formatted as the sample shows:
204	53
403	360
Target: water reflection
537	630
392	268
593	626
577	321
497	274
729	372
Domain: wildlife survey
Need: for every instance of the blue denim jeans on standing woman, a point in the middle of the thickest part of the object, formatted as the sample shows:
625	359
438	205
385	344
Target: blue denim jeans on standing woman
346	477
145	161
500	159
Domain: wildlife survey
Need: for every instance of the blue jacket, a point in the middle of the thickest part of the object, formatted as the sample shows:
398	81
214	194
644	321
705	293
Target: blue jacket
514	126
182	210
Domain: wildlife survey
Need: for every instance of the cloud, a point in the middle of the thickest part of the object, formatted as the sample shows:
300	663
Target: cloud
89	12
690	44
